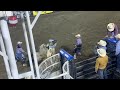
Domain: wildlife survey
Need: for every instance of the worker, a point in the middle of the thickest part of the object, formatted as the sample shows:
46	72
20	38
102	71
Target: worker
112	30
78	45
101	63
118	53
51	47
100	44
20	53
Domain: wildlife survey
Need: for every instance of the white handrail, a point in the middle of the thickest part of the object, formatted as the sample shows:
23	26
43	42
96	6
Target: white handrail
59	76
48	67
47	59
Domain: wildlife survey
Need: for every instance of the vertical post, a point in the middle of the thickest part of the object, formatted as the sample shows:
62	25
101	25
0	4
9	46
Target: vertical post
9	48
68	67
27	45
5	58
32	44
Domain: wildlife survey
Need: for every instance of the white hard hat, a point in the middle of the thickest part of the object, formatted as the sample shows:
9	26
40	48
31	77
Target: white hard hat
51	40
101	52
111	27
19	42
78	35
102	43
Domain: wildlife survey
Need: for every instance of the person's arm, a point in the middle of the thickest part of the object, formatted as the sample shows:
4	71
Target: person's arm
117	48
21	50
97	65
116	30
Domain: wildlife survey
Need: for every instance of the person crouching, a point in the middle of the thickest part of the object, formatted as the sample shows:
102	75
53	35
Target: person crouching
101	64
20	53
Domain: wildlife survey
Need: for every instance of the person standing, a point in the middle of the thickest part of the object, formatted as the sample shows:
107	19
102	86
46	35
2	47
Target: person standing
78	45
101	63
117	53
100	44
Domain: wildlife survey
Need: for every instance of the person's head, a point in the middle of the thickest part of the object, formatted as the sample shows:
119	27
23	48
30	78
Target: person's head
19	44
118	36
78	36
101	52
52	41
102	43
111	27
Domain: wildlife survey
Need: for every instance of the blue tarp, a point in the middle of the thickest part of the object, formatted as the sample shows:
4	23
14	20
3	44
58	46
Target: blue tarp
66	55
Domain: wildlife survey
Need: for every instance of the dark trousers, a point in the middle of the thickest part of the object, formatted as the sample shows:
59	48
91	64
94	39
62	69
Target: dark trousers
102	73
118	61
77	49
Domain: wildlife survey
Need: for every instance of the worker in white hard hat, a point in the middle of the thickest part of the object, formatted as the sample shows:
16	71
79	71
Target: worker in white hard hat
100	44
78	46
20	53
112	30
51	47
101	63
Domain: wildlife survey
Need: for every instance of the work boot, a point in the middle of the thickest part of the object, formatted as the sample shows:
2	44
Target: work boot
24	65
75	56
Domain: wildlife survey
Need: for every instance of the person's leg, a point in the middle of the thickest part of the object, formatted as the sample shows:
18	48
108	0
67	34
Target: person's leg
100	73
75	52
118	62
23	60
18	57
79	49
105	74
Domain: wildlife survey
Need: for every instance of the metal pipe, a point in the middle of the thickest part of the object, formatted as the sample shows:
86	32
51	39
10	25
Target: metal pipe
5	58
67	63
27	45
33	45
9	48
64	74
35	20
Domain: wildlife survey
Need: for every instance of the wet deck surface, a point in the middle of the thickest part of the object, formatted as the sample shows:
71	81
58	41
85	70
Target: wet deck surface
63	26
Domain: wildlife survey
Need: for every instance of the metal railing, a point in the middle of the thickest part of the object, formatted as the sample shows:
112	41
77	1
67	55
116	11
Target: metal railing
86	68
51	65
65	73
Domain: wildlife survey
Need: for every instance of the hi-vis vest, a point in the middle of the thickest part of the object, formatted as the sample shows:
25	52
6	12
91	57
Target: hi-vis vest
43	12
